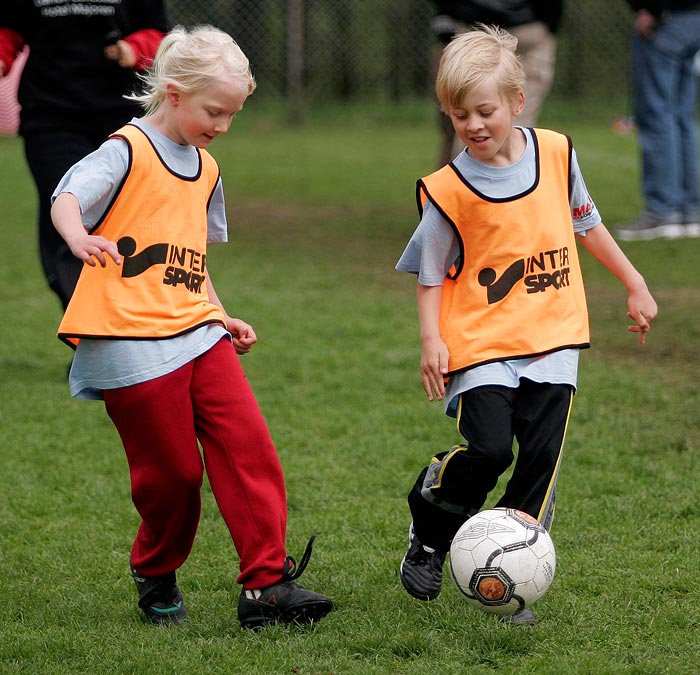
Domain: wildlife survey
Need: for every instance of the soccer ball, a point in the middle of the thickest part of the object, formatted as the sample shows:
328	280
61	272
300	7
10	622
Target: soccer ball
502	560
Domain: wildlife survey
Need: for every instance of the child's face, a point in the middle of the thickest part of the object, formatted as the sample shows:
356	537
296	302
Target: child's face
198	118
484	123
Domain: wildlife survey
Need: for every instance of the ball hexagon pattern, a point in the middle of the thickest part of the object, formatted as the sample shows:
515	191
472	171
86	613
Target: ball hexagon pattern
502	560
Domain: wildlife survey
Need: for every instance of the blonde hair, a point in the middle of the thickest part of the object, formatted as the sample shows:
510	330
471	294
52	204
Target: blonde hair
191	60
477	56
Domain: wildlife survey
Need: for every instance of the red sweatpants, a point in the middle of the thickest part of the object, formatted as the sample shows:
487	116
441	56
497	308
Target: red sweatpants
160	423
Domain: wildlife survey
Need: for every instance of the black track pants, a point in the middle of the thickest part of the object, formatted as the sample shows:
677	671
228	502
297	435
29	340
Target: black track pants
490	417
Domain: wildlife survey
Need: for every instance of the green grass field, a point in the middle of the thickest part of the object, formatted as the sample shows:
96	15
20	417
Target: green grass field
318	217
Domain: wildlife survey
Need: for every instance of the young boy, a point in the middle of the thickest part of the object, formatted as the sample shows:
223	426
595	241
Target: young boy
155	342
501	302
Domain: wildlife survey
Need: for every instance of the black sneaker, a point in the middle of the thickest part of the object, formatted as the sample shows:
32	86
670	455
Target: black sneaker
421	569
284	601
160	598
648	227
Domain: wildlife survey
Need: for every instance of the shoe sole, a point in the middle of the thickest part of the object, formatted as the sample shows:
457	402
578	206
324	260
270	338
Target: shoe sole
307	613
166	619
301	614
660	232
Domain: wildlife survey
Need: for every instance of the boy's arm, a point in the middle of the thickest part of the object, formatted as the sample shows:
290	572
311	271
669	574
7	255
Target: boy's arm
641	307
243	335
434	354
65	214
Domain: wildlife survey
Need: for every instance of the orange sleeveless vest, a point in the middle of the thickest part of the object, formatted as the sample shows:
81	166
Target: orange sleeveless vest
159	221
516	290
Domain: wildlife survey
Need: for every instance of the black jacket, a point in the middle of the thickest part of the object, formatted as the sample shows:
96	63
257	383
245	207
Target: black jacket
68	82
658	7
504	13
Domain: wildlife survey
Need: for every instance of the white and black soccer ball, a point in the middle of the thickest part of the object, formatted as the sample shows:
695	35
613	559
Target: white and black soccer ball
502	560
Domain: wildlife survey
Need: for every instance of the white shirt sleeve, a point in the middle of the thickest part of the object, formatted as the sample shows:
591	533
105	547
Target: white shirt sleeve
217	225
432	249
584	213
95	179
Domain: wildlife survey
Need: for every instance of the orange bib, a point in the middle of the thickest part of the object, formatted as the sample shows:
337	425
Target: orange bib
159	221
516	290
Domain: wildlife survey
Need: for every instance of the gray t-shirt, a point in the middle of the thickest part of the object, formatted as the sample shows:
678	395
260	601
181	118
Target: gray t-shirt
433	249
109	364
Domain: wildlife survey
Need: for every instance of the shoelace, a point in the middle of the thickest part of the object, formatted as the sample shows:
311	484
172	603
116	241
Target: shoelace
291	571
426	558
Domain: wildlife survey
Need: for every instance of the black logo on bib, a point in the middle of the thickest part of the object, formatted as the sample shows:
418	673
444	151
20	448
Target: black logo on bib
184	265
547	269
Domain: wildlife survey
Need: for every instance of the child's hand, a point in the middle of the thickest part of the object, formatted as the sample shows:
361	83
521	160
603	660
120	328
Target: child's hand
641	308
243	335
433	367
88	246
122	53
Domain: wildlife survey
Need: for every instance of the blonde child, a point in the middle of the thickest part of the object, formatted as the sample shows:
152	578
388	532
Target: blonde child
154	341
501	303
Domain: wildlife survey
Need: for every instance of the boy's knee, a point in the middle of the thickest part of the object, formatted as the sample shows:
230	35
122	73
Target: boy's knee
444	479
500	456
449	480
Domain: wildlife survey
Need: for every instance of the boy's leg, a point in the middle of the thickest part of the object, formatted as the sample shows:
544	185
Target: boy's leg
155	422
242	464
441	500
435	520
540	420
455	486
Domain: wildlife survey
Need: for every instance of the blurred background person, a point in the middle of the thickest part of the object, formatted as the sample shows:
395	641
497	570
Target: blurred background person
665	40
533	22
83	57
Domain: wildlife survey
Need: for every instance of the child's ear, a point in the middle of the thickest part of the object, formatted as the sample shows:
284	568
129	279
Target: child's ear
173	94
519	104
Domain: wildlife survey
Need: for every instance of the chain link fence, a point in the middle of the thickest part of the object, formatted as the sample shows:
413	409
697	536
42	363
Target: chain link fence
311	51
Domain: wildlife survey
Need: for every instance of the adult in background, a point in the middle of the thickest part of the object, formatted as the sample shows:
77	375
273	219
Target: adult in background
533	22
83	57
665	39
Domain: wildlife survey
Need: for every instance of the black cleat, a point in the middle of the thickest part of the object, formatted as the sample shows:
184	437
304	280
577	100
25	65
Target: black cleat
285	601
421	569
160	598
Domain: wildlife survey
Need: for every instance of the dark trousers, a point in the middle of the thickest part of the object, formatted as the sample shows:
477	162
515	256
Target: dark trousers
49	155
490	418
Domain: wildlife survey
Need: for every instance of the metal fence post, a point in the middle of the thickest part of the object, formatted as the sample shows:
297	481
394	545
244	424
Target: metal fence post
295	60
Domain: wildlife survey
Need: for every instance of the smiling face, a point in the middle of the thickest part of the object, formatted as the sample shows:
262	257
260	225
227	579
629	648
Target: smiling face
483	120
197	118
